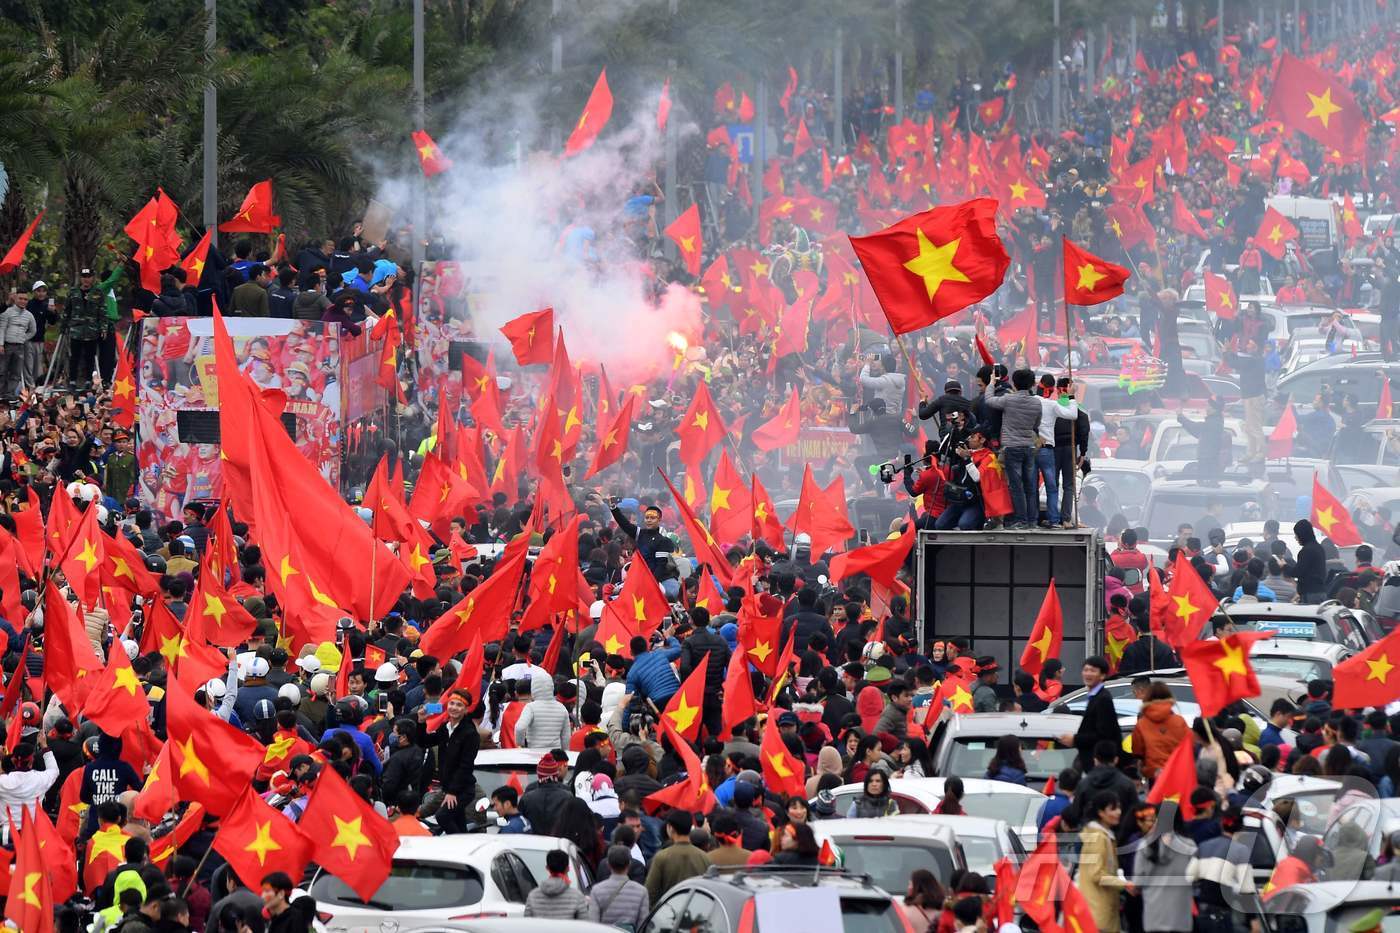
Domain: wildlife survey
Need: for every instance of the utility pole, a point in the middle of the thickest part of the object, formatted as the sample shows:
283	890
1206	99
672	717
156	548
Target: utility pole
838	97
420	189
556	65
760	145
1055	73
672	209
211	130
1219	35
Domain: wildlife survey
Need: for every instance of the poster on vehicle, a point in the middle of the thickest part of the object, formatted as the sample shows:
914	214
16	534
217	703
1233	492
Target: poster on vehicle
178	400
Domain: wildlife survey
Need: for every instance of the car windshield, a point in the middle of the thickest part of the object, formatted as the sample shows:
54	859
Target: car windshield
887	863
410	886
980	853
1302	669
869	915
1387	605
1016	809
1168	509
1044	756
490	777
1130	488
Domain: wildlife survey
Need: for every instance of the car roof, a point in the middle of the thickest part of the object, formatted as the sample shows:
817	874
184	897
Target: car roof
1325	895
1283	610
1299	648
1007	723
932	787
738	883
525	757
908	826
460	846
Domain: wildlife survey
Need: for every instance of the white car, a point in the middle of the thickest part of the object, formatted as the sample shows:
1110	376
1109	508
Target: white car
1015	804
465	876
1327	906
496	925
496	766
1303	661
884	848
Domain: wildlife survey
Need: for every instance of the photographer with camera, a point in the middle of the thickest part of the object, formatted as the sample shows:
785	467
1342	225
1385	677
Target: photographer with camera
885	431
962	496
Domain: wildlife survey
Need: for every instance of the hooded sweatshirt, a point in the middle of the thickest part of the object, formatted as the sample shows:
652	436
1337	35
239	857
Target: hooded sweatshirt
556	899
1157	734
544	723
870	703
828	762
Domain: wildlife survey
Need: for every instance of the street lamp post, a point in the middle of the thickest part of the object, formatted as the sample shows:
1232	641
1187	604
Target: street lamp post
211	131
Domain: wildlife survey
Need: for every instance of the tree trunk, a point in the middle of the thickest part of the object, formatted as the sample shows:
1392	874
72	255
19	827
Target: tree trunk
81	224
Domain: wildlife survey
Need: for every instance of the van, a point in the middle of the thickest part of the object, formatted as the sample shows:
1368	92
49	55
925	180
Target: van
1318	219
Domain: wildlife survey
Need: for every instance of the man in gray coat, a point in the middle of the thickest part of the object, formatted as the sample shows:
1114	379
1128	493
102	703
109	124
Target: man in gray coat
16	329
618	899
1020	425
544	723
555	898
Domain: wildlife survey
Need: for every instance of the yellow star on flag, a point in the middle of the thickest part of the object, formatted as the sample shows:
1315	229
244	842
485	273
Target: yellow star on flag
961	698
416	559
30	896
609	439
1184	607
190	762
1090	277
1042	644
89	554
684	714
687	244
465	613
279	747
263	842
1327	518
285	569
816	214
120	568
349	836
780	767
934	264
122	387
639	608
126	679
761	650
1233	660
1322	106
425	151
172	648
1018	191
110	841
1276	234
719	498
214	608
613	644
702	420
1380	668
760	511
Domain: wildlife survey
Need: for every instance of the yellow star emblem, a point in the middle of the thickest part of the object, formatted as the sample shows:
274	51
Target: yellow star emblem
1185	609
109	841
120	568
613	644
609	439
1018	191
1276	234
214	608
88	555
30	896
285	569
760	512
465	613
425	152
122	387
702	420
126	679
1322	106
279	747
1380	668
1327	518
639	608
961	698
172	649
761	650
683	716
416	559
1042	644
759	268
263	842
1233	660
934	264
349	836
190	762
816	214
780	766
719	498
687	244
1089	277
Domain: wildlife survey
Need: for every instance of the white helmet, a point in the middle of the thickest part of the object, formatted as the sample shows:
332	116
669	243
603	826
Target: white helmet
387	673
215	689
321	684
289	692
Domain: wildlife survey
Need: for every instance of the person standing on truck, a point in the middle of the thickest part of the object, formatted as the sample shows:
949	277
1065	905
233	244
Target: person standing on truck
1249	364
1020	421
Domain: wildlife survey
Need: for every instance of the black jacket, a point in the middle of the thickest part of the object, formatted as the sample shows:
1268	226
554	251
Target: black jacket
693	649
944	405
542	804
807	622
456	756
1212	451
1080	433
1100	723
1142	654
296	918
403	771
652	544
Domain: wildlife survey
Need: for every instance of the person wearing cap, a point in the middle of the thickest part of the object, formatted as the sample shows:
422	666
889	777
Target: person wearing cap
950	401
84	322
41	311
120	469
653	544
16	329
984	695
542	803
255	688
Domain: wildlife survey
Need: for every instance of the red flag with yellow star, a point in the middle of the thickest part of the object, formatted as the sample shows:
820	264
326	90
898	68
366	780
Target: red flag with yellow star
213	762
1090	280
684	231
1130	225
640	606
430	157
612	443
83	555
594	117
531	336
1046	635
701	428
1183	221
355	843
683	709
255	216
105	850
117	698
760	626
1384	405
821	514
783	428
488	607
730	509
70	664
766	526
1021	191
214	615
934	263
194	260
783	774
739	702
1332	518
123	395
1043	880
30	899
880	561
1177	779
122	568
1220	296
707	549
1189	603
157	243
157	796
1275	231
1351	225
441	493
1220	670
1317	104
1369	678
257	840
693	793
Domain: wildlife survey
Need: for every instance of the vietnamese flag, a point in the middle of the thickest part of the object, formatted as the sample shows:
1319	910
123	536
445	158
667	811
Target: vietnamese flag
1046	635
739	703
214	615
1281	437
783	428
1351	226
701	428
70	664
1043	880
257	840
354	843
684	231
880	561
766	526
491	603
730	507
1130	225
821	514
1220	296
1275	230
30	899
15	255
1189	604
255	216
1220	670
707	549
760	625
1384	406
531	336
989	112
640	607
935	263
996	492
430	157
194	260
802	143
612	443
783	774
117	698
693	793
213	761
1090	280
1332	517
157	243
594	117
683	709
1177	779
123	395
1366	679
1318	104
1183	221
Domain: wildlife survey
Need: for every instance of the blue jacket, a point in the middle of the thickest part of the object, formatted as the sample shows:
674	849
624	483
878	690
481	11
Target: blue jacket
652	676
1054	805
366	745
515	824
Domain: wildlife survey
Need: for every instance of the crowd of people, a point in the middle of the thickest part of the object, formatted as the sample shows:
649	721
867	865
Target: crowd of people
853	695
